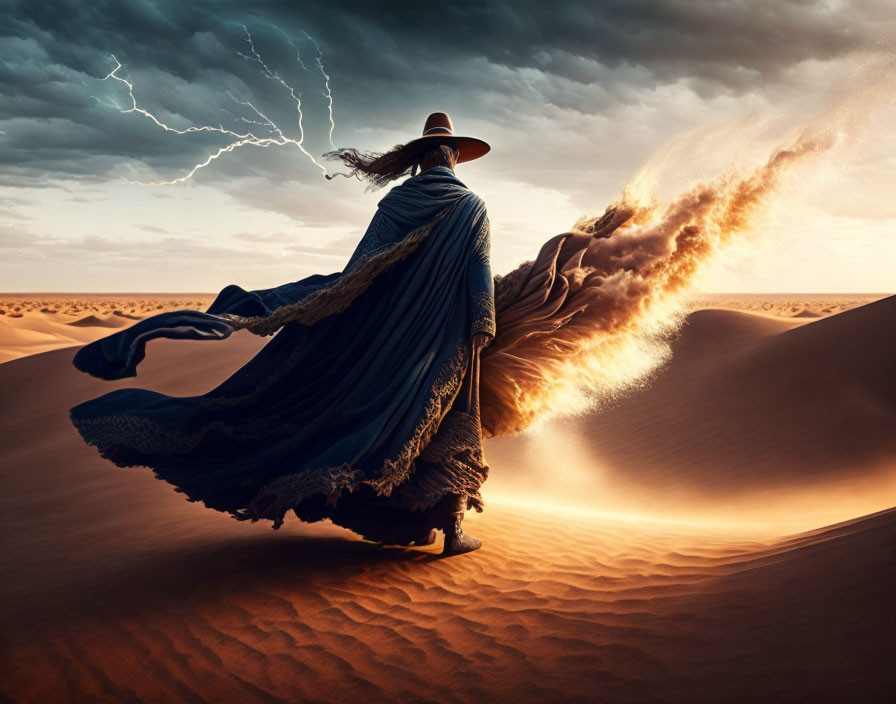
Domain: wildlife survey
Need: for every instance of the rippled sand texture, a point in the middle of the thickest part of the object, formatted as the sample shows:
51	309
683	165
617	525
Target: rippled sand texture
549	610
116	589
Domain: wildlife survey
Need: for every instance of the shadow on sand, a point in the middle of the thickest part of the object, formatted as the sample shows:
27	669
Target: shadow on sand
197	573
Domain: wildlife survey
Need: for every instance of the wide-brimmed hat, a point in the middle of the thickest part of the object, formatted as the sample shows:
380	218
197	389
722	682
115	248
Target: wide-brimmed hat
439	127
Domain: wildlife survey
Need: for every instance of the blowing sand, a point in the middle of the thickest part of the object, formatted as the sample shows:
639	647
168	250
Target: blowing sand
116	589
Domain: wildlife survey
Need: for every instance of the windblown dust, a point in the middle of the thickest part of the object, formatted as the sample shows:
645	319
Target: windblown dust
592	315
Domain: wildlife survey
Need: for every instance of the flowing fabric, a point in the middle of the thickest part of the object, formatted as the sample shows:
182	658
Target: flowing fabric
579	286
364	406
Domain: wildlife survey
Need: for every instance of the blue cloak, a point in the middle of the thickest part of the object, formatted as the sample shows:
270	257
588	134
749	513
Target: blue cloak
363	408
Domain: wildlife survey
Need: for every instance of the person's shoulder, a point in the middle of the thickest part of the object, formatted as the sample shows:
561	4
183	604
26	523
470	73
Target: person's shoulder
474	199
436	182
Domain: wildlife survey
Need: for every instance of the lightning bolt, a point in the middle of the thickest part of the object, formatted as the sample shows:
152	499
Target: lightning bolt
113	74
328	94
276	77
275	138
292	43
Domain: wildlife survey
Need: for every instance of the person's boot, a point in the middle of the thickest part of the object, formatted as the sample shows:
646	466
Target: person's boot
456	542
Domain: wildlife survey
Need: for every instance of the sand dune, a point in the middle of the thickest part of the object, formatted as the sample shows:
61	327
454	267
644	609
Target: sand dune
20	336
752	415
89	321
117	589
64	320
807	313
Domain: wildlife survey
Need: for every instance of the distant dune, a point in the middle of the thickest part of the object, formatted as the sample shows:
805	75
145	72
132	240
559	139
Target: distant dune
806	313
117	589
94	321
65	320
787	305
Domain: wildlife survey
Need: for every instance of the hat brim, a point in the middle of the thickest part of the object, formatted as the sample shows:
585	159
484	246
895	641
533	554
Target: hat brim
469	148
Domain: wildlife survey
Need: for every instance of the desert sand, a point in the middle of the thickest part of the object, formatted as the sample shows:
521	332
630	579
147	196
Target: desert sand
754	418
40	322
31	323
786	305
633	554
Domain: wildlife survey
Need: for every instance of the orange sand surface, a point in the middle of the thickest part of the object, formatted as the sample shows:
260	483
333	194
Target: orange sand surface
754	419
31	323
714	536
787	305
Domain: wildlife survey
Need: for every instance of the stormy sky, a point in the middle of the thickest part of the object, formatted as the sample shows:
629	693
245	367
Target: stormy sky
573	96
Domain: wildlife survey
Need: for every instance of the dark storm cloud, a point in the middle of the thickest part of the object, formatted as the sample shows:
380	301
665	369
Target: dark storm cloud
390	64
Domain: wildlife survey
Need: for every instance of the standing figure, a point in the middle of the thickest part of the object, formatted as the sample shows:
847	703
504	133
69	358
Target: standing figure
364	407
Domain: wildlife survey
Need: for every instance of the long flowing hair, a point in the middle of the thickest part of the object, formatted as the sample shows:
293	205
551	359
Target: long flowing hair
381	168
